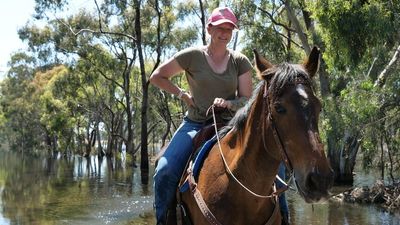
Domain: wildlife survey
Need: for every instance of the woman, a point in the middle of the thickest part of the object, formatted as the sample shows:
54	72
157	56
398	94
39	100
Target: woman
216	75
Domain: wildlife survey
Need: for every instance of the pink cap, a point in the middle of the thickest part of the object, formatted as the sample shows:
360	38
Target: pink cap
222	15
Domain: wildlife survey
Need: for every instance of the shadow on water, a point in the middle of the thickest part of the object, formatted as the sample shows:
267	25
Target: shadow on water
76	190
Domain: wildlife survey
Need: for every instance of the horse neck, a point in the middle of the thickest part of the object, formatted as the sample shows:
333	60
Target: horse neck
258	161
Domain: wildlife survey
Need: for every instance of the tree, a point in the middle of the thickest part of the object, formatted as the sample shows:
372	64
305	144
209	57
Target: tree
83	35
22	126
353	35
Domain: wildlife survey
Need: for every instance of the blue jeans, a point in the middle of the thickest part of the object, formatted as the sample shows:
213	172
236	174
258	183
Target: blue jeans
171	165
282	197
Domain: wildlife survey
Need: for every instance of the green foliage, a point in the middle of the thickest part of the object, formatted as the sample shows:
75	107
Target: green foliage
358	38
55	114
21	127
351	28
261	34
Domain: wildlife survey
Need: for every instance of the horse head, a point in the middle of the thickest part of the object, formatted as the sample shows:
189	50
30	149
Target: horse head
293	112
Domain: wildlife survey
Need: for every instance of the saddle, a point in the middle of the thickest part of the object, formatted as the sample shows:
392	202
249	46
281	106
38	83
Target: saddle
208	131
205	134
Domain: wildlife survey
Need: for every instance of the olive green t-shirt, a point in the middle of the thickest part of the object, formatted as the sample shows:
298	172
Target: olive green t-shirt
206	85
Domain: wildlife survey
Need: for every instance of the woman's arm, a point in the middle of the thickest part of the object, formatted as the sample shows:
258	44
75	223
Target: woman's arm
245	85
161	79
245	89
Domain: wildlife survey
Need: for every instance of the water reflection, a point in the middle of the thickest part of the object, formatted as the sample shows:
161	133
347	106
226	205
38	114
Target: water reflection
76	190
336	213
71	190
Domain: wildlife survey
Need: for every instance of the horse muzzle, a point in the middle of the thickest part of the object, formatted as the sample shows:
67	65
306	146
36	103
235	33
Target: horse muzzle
315	185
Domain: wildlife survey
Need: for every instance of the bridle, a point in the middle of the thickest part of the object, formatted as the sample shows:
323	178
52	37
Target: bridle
270	120
278	140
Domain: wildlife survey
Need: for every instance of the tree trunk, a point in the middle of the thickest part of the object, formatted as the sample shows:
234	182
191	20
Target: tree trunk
144	155
109	152
383	75
79	136
88	140
129	120
100	151
166	113
297	27
344	160
203	23
55	144
389	149
382	158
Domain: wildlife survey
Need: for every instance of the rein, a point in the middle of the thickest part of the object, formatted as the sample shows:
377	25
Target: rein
278	140
275	193
203	205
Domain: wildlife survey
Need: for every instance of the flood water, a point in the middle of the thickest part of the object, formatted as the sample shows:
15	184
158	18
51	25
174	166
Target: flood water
47	191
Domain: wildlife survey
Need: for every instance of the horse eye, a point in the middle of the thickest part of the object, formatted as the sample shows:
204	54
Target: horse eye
279	108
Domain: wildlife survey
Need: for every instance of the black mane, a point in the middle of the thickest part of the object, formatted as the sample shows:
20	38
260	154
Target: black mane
278	78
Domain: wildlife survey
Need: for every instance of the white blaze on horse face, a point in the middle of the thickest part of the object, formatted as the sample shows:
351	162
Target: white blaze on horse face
303	96
300	90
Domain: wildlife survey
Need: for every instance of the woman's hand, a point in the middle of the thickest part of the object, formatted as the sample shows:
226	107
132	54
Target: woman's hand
220	102
188	99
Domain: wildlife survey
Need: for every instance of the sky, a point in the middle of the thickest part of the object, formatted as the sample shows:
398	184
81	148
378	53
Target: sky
14	15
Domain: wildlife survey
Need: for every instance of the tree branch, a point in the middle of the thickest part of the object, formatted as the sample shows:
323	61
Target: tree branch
76	33
380	82
271	17
297	26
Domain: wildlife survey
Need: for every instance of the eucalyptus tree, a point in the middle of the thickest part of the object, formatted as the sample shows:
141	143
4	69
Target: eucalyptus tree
55	114
52	45
133	32
81	34
21	126
360	46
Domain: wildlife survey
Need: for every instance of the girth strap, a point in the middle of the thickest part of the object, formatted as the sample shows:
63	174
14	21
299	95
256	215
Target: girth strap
199	198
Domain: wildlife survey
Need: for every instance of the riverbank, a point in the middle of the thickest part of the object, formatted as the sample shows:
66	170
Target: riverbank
386	196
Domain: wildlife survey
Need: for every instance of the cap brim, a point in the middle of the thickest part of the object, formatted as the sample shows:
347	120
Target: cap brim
221	21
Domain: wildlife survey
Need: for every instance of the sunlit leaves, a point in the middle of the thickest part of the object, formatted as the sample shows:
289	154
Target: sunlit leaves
351	27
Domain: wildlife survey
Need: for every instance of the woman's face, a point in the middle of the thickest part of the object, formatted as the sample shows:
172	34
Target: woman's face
221	33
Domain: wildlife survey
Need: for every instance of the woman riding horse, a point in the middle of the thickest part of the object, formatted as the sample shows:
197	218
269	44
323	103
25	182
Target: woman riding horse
235	185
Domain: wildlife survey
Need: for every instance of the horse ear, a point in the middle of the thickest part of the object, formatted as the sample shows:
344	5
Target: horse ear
261	63
312	63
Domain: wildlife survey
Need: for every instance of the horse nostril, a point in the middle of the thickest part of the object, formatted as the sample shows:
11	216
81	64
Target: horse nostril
312	181
318	181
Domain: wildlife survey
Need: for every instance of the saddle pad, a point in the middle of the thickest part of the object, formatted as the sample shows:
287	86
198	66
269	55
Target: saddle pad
198	162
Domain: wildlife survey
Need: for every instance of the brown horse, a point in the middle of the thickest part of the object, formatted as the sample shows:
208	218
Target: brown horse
279	123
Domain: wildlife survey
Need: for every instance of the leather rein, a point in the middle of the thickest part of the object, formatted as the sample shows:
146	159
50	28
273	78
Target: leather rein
269	120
